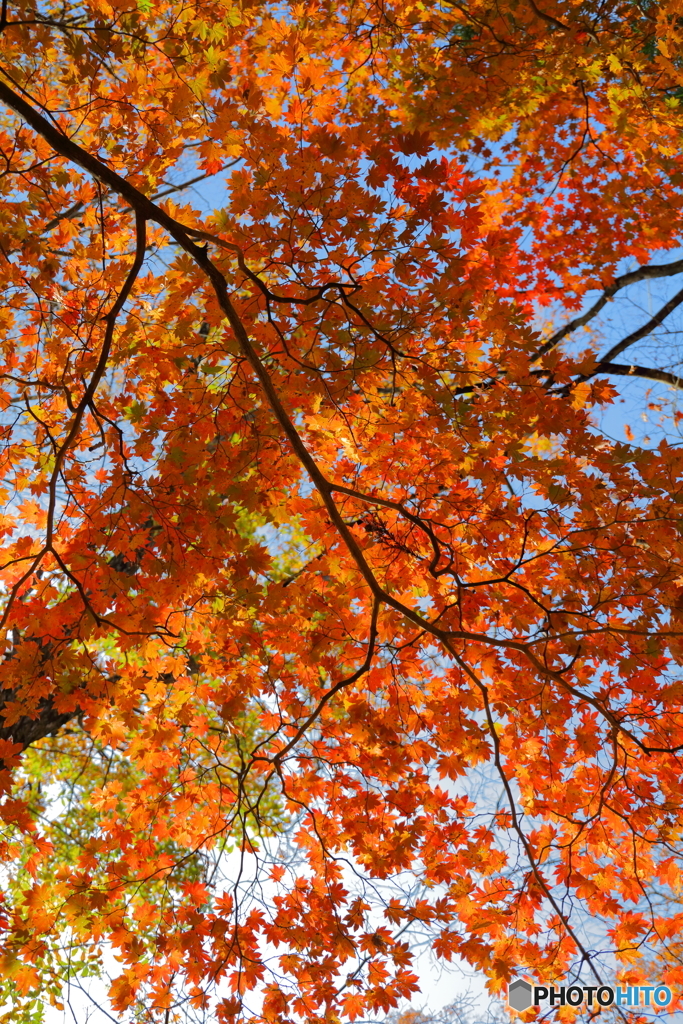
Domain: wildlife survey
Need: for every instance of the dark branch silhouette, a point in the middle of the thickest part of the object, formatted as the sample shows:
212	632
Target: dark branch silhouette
649	272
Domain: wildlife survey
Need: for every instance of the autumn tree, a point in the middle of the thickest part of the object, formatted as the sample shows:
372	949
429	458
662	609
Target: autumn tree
329	615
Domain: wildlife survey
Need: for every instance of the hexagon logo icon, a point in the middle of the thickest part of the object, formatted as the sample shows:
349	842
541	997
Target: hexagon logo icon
520	995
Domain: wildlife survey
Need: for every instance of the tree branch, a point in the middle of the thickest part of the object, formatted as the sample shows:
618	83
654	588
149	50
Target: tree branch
652	270
27	730
646	329
633	370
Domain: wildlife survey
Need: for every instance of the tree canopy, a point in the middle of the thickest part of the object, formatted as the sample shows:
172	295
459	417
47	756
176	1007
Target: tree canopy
329	615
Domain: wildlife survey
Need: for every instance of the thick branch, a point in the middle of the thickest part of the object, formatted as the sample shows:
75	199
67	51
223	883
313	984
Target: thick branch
634	370
652	270
548	18
642	332
47	722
